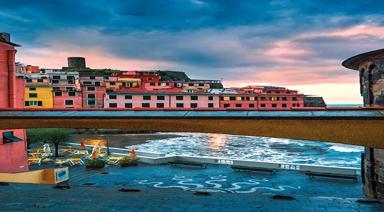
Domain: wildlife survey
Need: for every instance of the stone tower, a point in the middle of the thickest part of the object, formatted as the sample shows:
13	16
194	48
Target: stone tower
371	70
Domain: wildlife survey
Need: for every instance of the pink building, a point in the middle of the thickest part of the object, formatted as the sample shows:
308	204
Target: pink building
67	99
161	100
13	147
93	91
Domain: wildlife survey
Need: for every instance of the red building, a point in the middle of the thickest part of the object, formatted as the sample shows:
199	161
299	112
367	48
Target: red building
261	98
13	148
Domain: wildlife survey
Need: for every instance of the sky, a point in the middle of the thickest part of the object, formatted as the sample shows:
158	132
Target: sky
298	44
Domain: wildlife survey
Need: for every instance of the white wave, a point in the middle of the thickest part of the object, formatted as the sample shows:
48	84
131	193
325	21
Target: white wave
344	148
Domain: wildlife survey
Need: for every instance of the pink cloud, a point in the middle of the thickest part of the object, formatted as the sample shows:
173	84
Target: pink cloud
49	58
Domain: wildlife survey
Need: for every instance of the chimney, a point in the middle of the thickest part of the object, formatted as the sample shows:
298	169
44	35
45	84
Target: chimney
5	36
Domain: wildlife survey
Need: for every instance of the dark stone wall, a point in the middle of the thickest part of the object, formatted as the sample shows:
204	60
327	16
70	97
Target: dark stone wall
372	90
314	101
76	62
372	82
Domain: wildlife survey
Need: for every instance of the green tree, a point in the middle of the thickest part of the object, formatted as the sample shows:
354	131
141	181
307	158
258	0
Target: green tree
55	136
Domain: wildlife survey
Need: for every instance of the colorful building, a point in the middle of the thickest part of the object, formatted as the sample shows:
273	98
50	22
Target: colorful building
13	146
93	90
105	88
38	91
160	100
65	87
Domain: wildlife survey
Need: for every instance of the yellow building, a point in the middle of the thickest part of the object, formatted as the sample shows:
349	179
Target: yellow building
196	86
39	96
123	82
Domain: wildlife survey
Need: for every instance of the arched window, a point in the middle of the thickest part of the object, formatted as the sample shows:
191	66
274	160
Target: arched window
371	67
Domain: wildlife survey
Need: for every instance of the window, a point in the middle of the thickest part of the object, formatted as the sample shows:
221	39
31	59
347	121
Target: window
40	80
274	105
71	93
262	105
179	97
284	105
251	105
97	83
106	77
33	95
263	98
160	97
284	98
193	105
160	105
55	81
232	98
9	137
210	98
210	105
58	93
87	83
113	105
112	83
201	84
91	88
128	97
152	84
226	105
298	105
91	96
190	84
180	105
32	89
33	103
294	98
68	102
56	77
29	80
145	105
112	96
92	77
146	97
238	105
194	97
128	105
91	102
70	77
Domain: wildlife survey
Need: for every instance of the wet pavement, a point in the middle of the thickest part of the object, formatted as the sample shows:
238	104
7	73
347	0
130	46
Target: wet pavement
180	188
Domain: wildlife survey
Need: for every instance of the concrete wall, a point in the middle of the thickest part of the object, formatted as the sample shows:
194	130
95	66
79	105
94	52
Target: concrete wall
13	156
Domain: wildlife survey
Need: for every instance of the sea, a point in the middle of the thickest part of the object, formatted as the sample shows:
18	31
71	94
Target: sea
255	148
258	148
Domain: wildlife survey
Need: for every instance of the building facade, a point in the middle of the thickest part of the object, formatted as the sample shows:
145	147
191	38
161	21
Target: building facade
38	91
13	146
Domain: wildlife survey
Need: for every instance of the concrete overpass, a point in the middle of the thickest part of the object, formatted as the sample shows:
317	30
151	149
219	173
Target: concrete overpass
347	126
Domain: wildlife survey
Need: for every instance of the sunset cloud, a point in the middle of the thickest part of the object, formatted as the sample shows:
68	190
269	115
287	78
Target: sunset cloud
281	42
